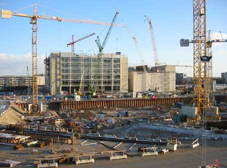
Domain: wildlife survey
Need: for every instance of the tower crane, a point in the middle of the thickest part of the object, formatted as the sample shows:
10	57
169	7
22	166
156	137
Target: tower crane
7	14
144	79
200	61
137	49
80	39
28	81
204	64
101	46
81	83
97	64
153	43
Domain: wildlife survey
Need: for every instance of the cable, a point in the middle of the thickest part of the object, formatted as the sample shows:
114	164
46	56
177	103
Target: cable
24	8
57	10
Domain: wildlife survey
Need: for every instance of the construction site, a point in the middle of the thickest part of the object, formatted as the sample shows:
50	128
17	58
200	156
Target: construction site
95	110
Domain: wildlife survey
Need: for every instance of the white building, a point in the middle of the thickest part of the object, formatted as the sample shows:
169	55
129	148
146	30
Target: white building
162	81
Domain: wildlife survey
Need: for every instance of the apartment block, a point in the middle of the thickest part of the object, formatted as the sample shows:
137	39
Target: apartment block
20	81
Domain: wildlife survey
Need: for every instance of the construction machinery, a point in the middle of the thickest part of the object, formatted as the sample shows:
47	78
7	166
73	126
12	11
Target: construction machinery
201	60
80	39
93	87
7	14
144	79
28	79
81	83
153	44
101	46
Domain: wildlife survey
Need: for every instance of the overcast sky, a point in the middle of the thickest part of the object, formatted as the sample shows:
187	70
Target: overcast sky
172	20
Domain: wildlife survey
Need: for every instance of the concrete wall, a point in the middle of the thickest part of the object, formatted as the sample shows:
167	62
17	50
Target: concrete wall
189	111
123	74
192	111
55	74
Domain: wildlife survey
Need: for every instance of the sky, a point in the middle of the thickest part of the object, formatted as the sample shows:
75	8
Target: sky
171	20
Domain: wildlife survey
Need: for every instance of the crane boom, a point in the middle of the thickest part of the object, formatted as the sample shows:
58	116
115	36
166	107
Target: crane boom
101	47
137	49
109	31
7	14
81	82
153	43
186	42
80	39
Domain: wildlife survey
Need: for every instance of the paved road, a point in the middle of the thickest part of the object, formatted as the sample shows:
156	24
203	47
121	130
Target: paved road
183	158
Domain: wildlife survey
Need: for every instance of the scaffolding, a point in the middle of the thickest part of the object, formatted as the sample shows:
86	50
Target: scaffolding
71	68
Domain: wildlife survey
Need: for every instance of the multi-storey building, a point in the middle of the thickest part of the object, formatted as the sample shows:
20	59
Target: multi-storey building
20	81
162	81
224	77
65	72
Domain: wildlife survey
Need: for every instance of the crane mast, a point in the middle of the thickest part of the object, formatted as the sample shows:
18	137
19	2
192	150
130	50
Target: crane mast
35	105
97	62
28	79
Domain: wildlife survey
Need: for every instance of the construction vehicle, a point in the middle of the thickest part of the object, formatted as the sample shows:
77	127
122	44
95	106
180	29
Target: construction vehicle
80	39
7	14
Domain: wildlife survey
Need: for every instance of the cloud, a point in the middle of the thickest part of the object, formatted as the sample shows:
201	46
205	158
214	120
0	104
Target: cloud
12	64
218	36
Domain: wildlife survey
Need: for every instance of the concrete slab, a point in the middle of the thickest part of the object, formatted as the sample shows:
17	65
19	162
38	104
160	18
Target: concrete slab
150	153
118	157
84	161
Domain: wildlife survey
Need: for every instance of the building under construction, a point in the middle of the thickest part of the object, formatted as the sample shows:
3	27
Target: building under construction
69	72
143	79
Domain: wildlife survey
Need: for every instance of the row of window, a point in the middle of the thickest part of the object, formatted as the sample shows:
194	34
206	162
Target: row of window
79	59
77	83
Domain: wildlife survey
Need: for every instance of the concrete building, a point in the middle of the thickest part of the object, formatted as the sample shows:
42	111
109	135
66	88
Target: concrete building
162	81
20	81
64	71
41	80
224	76
181	78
